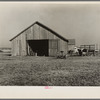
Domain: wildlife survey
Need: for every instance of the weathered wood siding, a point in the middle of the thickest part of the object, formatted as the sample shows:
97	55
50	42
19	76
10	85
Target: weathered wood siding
21	47
53	47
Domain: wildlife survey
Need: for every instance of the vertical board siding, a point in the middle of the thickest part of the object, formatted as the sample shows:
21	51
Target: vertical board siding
44	33
53	47
50	35
41	33
61	48
36	32
32	32
23	44
19	45
52	52
26	44
29	34
66	47
58	45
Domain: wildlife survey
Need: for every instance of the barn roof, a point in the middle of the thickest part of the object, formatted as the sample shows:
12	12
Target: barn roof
47	28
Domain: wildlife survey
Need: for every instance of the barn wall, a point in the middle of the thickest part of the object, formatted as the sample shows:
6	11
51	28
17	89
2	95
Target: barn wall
53	47
23	44
14	47
21	47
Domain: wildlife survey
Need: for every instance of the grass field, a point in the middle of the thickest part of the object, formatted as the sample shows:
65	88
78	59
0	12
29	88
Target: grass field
49	71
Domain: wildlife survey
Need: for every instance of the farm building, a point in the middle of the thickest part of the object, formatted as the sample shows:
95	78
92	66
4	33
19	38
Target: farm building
71	44
38	39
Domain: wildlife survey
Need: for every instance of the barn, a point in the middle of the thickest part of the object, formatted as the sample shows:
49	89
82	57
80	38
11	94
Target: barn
38	39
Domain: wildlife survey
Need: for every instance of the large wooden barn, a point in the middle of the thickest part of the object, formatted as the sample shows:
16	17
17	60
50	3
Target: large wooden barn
38	39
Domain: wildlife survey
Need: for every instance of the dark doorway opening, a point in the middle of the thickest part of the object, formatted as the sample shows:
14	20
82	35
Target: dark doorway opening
39	46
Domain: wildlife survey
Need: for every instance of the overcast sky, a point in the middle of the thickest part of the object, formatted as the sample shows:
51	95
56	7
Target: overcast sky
80	21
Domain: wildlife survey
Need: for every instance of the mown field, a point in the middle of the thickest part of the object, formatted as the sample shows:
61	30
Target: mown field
49	71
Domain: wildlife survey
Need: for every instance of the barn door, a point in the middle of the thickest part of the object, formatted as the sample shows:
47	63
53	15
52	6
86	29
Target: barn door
53	47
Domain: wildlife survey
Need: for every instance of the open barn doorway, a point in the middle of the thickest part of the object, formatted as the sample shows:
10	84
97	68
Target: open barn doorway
38	46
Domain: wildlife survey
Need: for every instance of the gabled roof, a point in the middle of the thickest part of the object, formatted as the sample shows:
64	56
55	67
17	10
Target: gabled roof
47	28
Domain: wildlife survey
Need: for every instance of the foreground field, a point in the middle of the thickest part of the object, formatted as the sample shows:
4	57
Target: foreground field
48	71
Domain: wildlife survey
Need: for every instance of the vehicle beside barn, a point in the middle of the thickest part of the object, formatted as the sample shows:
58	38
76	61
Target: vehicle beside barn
39	40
